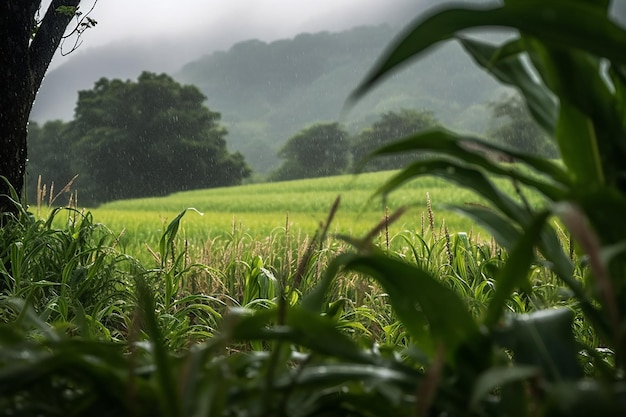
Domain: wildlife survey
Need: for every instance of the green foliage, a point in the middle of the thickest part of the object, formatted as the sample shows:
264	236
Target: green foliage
566	41
133	139
391	126
442	327
320	150
164	353
66	275
325	149
315	335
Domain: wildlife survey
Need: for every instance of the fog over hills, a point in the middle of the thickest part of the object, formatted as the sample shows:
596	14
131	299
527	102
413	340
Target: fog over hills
59	91
168	49
266	92
269	89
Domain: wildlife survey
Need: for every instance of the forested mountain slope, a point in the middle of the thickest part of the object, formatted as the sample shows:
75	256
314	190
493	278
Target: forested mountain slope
267	92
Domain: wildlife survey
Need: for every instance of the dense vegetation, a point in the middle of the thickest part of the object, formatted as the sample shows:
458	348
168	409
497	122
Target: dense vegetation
94	345
135	139
320	150
327	149
564	41
450	326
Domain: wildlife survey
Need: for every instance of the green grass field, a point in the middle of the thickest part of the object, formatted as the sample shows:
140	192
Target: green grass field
260	210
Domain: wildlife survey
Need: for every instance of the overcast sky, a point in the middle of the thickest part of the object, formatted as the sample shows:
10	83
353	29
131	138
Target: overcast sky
220	23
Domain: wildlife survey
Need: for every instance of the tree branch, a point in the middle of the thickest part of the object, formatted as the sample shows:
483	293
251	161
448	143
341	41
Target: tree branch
83	22
47	40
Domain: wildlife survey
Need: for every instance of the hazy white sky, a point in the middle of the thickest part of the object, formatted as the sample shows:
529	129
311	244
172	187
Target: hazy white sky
181	28
265	19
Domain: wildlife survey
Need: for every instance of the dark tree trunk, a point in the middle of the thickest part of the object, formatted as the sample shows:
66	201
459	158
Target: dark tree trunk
16	95
24	59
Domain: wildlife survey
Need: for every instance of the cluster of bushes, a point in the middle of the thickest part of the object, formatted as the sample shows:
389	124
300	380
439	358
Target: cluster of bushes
326	149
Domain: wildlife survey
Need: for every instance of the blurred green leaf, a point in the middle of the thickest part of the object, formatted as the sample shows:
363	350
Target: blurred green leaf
462	175
413	292
169	394
494	378
586	397
300	327
331	374
505	233
579	149
558	22
543	339
471	150
509	68
314	301
516	269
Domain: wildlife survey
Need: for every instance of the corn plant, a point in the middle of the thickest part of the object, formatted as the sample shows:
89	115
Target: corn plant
567	63
66	275
172	351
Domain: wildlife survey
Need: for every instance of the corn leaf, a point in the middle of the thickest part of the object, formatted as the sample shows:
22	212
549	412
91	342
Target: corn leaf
331	374
464	176
494	378
579	149
412	292
505	233
558	22
301	327
169	394
544	339
471	150
516	270
511	70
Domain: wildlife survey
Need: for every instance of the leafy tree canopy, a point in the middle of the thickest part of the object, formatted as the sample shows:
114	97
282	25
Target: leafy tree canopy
318	151
391	126
147	137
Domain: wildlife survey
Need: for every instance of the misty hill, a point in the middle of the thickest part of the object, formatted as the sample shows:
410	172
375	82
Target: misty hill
125	60
267	92
156	52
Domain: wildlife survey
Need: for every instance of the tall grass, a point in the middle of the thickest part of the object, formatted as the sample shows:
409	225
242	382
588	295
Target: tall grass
261	210
196	282
224	324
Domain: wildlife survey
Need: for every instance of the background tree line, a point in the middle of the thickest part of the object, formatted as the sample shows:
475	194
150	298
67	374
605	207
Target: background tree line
154	136
324	149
